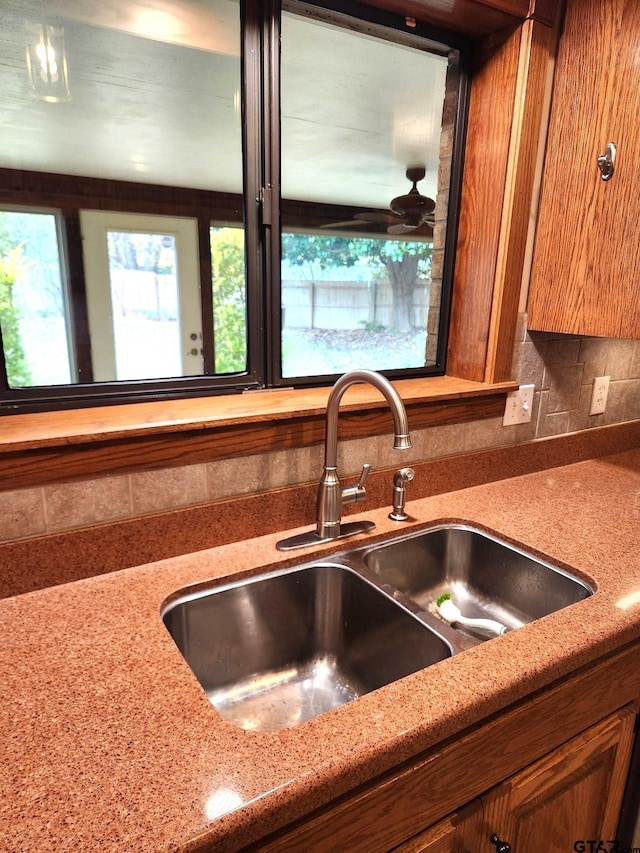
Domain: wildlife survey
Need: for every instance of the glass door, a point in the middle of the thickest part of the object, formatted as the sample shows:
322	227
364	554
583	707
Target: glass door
143	295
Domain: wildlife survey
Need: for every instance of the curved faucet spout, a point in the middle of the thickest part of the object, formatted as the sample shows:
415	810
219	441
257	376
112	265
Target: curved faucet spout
331	496
401	439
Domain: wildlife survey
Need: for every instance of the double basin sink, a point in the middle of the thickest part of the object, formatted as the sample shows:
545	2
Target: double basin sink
274	650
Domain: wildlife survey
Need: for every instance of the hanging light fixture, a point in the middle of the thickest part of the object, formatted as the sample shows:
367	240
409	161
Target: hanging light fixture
47	63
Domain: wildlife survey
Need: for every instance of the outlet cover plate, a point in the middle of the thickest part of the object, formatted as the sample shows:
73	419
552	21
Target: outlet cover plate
599	395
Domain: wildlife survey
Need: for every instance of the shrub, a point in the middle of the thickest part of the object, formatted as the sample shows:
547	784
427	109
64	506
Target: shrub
12	264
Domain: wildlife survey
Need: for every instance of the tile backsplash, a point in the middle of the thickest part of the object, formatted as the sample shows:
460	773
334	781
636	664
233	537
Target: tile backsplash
561	367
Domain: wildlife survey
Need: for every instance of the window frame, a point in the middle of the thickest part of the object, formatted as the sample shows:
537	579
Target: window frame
67	196
260	216
442	41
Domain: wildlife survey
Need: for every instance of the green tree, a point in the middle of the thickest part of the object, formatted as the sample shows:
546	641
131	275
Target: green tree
405	262
11	266
130	250
229	299
41	289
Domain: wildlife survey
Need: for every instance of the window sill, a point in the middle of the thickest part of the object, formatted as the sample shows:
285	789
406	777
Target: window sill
36	449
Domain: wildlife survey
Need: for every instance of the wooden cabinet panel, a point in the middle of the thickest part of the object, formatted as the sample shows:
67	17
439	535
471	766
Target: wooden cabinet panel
545	11
442	838
455	834
573	794
518	8
587	258
507	110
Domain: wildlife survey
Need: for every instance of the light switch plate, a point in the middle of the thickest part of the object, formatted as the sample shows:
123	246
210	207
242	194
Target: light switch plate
519	406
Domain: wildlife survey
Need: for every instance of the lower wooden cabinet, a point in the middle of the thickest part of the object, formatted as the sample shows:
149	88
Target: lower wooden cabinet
543	775
562	802
572	795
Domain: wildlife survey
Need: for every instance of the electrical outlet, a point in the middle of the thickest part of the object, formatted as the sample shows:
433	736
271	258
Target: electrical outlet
599	395
519	405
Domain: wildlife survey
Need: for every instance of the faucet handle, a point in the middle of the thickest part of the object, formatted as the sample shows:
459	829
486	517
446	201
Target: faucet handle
353	494
363	475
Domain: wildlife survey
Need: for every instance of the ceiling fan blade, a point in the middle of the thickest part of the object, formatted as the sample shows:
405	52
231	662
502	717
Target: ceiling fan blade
348	223
376	216
402	228
406	213
413	232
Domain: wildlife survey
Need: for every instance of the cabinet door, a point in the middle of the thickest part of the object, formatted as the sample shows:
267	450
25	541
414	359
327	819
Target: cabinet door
573	794
586	261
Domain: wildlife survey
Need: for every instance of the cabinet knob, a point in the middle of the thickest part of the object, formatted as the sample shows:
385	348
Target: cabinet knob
606	162
501	846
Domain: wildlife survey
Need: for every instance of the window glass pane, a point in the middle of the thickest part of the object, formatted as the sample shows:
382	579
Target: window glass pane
33	314
362	148
359	303
137	112
144	297
148	92
229	299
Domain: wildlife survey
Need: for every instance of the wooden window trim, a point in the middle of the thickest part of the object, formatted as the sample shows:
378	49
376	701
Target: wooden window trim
507	111
44	447
475	18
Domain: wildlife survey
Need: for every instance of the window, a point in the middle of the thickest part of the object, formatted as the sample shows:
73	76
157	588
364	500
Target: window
34	310
185	212
361	116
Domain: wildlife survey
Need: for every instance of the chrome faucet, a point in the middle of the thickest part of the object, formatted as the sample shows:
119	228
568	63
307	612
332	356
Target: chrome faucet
331	496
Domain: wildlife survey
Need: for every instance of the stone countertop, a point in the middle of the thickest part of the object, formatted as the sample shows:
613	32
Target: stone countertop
109	743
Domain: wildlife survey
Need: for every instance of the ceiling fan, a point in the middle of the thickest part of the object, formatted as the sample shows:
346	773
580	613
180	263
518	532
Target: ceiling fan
407	213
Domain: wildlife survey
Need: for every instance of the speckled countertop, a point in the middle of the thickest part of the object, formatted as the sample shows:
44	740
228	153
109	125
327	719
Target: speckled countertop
109	744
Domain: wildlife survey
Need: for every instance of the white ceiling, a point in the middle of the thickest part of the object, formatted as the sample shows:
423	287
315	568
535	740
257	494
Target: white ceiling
155	98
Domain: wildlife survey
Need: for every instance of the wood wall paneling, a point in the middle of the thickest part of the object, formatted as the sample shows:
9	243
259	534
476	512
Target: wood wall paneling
537	49
491	112
46	189
77	293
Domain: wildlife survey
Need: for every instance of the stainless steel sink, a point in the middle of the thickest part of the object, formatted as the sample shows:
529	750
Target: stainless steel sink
486	577
278	649
275	650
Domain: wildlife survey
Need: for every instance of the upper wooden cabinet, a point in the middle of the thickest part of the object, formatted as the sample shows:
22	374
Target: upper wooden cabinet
587	250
